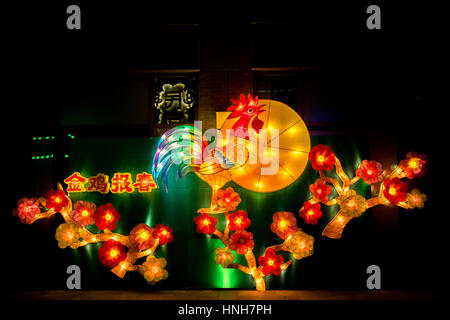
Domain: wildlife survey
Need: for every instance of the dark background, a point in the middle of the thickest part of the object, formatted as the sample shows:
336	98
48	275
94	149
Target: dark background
354	82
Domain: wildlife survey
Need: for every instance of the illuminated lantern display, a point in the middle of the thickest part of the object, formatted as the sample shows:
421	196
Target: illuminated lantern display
83	213
284	224
163	233
287	147
391	189
118	252
239	221
271	263
235	237
255	136
241	155
141	237
414	165
27	209
285	144
320	190
310	212
415	199
205	223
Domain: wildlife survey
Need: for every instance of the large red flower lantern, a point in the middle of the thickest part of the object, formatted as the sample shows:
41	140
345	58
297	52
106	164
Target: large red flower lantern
322	157
239	220
163	233
106	217
395	190
205	223
242	242
310	212
111	253
56	200
271	262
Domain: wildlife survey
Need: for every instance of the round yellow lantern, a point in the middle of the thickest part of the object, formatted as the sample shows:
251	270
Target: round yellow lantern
281	147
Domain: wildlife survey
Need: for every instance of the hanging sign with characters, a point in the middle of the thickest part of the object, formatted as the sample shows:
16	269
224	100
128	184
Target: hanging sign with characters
119	183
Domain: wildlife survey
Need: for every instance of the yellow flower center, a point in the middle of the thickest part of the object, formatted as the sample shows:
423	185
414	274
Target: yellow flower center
302	245
205	222
369	172
113	253
310	212
108	217
413	163
319	191
144	234
227	199
320	159
68	235
238	221
282	224
392	191
57	199
270	262
84	213
351	204
155	269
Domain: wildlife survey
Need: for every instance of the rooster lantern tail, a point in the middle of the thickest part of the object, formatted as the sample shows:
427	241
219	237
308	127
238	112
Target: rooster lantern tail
182	146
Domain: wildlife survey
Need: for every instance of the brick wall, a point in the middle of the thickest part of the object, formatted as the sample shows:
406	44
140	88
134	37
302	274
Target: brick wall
225	69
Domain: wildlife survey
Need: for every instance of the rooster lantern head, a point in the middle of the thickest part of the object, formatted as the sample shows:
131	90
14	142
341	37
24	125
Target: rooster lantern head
247	110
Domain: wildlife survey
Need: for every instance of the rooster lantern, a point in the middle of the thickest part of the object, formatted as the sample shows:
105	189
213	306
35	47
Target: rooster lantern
262	145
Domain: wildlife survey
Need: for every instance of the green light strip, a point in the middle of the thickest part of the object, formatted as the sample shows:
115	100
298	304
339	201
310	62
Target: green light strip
44	138
39	138
45	156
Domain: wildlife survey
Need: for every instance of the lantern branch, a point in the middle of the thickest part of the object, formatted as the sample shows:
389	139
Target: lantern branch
239	267
332	181
74	234
285	265
251	268
389	190
221	236
235	237
276	248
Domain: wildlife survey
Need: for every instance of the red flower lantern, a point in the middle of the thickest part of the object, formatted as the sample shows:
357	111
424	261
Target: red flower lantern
228	198
56	200
163	233
239	220
141	237
242	242
83	215
27	209
370	171
415	165
322	157
284	224
106	217
310	213
205	223
271	262
111	253
395	190
320	190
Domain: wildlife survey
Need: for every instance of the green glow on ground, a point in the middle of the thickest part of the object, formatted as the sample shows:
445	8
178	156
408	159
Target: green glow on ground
219	277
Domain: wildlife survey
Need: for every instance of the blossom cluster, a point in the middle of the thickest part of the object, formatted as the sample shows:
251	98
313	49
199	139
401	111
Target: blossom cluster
115	249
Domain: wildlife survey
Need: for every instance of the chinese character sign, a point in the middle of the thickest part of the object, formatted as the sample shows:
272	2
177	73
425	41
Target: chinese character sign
119	183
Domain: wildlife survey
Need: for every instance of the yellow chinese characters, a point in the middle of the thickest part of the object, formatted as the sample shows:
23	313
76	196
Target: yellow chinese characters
119	183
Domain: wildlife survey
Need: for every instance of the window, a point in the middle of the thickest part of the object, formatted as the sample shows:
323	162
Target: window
280	86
